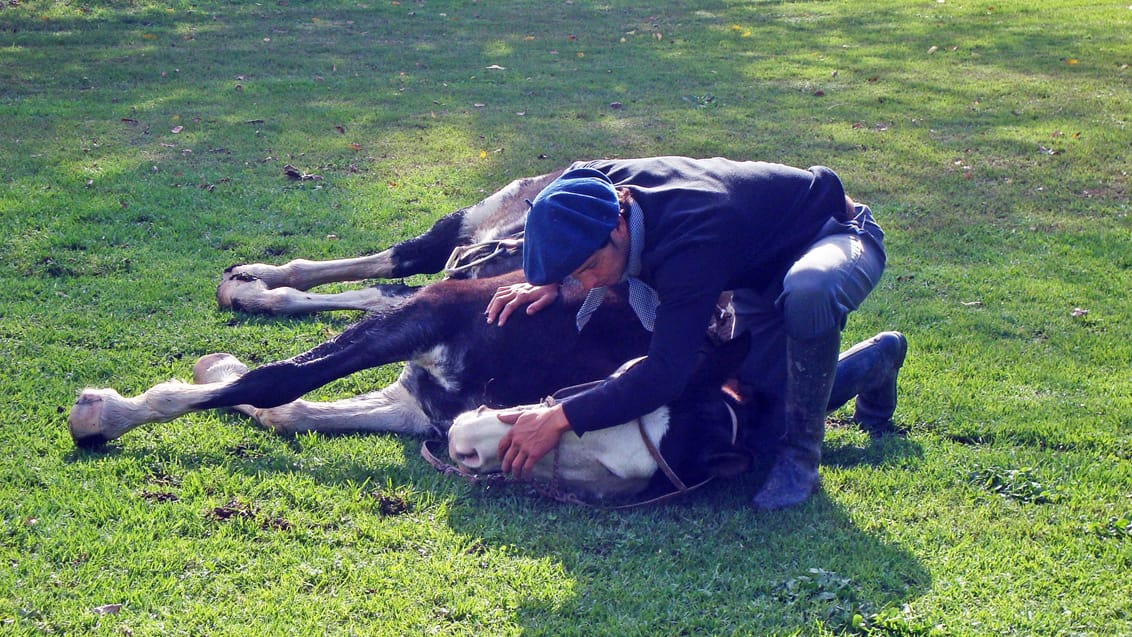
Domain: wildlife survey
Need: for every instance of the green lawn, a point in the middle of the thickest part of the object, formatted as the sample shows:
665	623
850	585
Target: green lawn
142	146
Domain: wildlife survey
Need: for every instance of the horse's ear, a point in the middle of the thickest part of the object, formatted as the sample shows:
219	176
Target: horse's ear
720	360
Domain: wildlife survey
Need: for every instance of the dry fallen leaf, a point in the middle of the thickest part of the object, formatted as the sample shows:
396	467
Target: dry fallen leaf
1078	312
298	175
108	609
177	129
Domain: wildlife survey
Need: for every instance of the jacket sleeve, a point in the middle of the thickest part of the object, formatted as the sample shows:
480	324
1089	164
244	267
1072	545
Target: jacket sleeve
688	287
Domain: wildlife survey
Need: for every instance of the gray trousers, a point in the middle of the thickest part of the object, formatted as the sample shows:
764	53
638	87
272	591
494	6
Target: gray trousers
829	281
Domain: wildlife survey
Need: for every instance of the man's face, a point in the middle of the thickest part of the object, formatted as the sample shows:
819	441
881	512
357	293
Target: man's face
607	265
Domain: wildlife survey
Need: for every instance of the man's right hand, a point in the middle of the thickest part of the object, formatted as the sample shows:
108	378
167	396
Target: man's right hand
509	298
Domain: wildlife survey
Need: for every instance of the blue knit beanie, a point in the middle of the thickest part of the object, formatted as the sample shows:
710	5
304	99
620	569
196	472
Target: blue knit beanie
568	221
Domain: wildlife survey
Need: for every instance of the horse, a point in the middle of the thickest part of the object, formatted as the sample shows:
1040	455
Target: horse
454	362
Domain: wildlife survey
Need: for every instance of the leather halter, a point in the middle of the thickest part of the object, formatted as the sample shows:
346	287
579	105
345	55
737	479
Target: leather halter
552	490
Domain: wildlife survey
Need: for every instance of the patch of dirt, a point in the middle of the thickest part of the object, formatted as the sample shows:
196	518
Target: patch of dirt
158	496
390	503
237	509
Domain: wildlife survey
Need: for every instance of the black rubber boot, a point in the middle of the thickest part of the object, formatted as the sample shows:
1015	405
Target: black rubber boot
811	368
868	370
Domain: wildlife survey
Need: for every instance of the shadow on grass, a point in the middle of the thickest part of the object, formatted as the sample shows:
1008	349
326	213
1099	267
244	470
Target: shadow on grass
706	563
702	563
893	449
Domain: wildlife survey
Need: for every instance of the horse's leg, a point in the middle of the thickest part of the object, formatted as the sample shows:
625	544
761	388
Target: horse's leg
504	212
255	297
392	409
252	287
103	414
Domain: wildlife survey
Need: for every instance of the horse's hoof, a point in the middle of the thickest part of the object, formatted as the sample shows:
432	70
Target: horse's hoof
236	284
212	368
85	421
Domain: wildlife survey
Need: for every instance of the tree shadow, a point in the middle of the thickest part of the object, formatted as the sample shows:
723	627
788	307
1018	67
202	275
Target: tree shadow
702	563
705	563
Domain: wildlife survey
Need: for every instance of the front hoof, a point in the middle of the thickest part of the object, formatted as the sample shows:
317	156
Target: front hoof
214	368
85	421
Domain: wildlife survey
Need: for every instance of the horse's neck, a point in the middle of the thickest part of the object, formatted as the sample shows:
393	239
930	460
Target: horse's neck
618	450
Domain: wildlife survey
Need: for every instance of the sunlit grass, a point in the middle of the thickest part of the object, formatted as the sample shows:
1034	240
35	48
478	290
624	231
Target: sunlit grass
143	150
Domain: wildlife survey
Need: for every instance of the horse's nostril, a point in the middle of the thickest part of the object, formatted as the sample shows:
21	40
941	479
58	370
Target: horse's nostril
470	459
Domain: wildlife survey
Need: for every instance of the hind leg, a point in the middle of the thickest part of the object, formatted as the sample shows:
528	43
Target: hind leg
393	409
102	415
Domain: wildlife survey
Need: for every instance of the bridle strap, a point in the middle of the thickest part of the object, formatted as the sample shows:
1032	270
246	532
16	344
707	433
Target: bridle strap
452	469
659	459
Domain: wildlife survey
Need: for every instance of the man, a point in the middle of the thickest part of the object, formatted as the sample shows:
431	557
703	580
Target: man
797	252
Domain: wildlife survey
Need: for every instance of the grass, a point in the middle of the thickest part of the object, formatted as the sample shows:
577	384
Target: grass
143	150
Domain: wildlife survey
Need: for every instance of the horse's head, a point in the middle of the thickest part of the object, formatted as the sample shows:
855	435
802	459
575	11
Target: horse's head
615	462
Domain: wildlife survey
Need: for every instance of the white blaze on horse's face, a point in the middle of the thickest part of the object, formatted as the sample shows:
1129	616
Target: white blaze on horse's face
604	463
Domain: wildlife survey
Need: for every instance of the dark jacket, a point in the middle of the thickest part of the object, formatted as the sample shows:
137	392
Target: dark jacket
710	225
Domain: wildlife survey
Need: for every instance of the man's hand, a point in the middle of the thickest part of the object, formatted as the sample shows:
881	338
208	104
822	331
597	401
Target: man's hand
534	433
509	298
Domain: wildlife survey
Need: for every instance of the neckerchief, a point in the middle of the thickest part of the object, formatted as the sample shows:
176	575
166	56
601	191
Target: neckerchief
642	298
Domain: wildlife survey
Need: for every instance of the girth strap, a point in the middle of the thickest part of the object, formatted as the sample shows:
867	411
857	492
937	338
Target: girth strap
464	258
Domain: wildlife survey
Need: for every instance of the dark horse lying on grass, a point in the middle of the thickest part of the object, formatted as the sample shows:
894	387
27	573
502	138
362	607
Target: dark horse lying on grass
454	361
